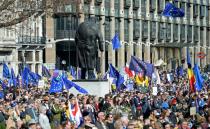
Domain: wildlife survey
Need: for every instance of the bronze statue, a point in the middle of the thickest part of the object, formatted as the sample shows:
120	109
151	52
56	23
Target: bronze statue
88	39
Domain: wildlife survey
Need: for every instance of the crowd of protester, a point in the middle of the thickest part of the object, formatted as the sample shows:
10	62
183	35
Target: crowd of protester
35	108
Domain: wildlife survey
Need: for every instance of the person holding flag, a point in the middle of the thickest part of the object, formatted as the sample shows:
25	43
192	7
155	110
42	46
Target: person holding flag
74	115
191	76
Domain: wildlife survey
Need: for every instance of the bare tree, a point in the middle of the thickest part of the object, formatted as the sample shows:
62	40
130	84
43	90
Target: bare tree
13	12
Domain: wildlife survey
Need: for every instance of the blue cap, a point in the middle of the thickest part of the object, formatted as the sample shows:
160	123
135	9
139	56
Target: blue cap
165	105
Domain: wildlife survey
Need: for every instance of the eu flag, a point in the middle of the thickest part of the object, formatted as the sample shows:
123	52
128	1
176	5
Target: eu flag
45	72
33	78
1	94
137	65
56	86
180	71
105	76
172	11
13	78
38	77
168	8
198	78
134	65
68	83
6	73
150	69
58	75
120	81
3	85
25	76
17	80
79	88
116	42
115	74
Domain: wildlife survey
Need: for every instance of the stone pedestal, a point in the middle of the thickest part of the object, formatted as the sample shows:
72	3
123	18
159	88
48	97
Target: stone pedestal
93	87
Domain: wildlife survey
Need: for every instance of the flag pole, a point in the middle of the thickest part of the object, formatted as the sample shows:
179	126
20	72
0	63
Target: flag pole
109	84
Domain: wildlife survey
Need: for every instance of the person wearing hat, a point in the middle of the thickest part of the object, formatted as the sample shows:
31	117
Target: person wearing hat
48	109
32	124
45	102
56	110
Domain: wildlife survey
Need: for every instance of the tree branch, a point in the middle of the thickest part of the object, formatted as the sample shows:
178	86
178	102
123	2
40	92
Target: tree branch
15	21
6	4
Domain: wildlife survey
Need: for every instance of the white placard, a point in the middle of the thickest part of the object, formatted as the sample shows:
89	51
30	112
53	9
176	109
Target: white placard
41	84
154	91
192	111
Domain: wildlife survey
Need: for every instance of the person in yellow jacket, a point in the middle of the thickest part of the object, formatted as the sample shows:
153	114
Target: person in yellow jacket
142	81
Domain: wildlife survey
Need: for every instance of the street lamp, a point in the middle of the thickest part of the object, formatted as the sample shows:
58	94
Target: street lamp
63	62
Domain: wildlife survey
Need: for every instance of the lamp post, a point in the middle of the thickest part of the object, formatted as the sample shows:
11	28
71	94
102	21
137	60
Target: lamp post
63	62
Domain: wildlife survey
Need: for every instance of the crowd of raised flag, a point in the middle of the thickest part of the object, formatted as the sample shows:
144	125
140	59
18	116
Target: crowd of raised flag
143	97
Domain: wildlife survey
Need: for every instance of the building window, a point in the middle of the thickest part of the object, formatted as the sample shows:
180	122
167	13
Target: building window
107	29
60	23
196	30
71	23
175	32
176	3
153	30
143	7
136	4
107	7
135	14
97	10
162	31
145	30
116	8
116	4
202	11
127	3
183	32
117	25
195	11
126	11
86	9
188	10
189	33
201	35
160	6
136	29
207	13
168	31
106	58
152	5
126	26
208	37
